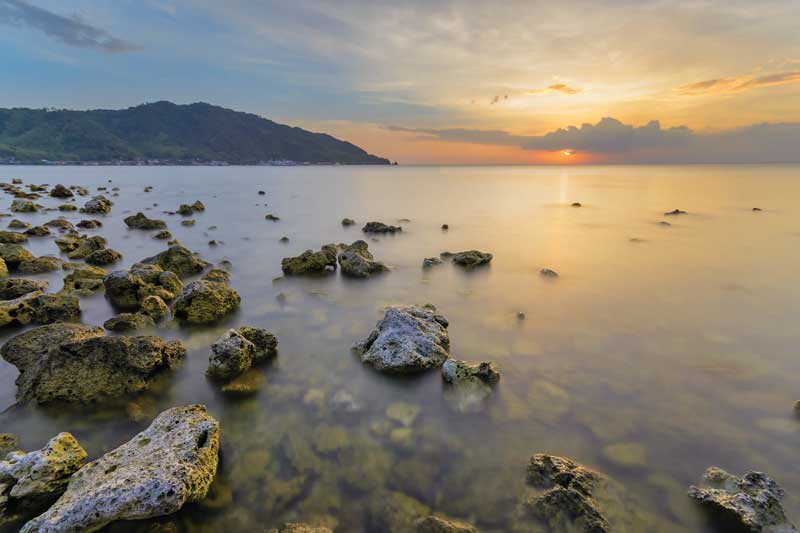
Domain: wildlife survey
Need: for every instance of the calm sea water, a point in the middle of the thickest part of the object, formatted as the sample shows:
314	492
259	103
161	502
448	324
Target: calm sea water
659	351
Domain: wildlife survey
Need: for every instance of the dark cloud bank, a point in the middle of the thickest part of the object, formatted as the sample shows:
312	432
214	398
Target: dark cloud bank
759	143
69	30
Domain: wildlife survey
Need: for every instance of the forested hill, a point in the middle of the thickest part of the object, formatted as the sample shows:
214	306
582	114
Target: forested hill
166	131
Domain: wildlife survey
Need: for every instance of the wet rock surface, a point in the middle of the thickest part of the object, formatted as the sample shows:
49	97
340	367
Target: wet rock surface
204	302
472	258
172	462
141	221
436	524
13	255
127	289
751	502
179	260
97	205
356	261
380	227
238	349
12	237
469	385
76	363
407	339
311	262
103	257
126	322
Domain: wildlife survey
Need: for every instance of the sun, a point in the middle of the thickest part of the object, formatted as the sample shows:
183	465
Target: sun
567	153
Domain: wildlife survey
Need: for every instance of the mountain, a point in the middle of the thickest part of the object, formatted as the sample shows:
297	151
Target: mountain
166	131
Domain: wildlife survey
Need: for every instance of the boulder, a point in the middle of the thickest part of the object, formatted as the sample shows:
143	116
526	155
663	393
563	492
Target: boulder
172	462
237	349
380	227
356	261
60	191
37	231
97	205
106	256
90	224
140	221
19	311
83	280
52	308
311	262
179	260
76	363
13	255
154	307
126	322
472	258
23	206
750	503
126	289
12	237
18	224
39	265
204	302
407	339
61	223
16	287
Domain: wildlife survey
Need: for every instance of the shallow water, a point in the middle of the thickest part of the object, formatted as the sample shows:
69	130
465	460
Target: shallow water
657	352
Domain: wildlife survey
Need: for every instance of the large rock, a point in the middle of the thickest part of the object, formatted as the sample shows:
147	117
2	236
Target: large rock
14	254
311	262
407	339
140	221
472	258
80	247
39	265
12	237
106	256
15	287
237	349
750	503
83	280
19	311
76	363
127	289
23	206
170	463
60	191
30	482
567	502
52	308
97	205
179	260
357	261
204	302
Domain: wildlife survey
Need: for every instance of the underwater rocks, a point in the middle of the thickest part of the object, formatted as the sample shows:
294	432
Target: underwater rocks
311	262
179	260
469	385
356	261
472	258
30	482
751	502
204	302
407	339
237	349
76	363
97	205
127	289
567	498
172	462
380	227
140	221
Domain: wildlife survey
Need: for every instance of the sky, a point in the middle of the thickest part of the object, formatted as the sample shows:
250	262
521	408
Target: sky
427	81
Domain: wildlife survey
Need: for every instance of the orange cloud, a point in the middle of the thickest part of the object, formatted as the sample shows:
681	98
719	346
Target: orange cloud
557	87
737	84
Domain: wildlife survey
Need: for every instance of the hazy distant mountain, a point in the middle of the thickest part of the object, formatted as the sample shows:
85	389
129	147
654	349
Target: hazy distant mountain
164	130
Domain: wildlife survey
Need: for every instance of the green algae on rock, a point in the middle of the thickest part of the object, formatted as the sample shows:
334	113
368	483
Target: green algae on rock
204	302
311	262
179	260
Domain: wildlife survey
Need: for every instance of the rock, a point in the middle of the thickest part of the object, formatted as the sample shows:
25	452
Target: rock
429	262
348	222
246	384
757	209
380	227
435	524
179	260
154	307
626	454
356	261
265	343
30	482
37	231
797	408
185	210
39	265
576	204
60	191
90	224
567	498
67	207
3	269
395	512
407	339
311	262
203	302
188	223
8	443
16	287
751	502
472	258
126	322
14	254
52	308
18	224
218	275
163	235
455	371
84	279
140	221
106	256
469	386
12	237
546	272
231	355
23	206
262	193
403	413
272	217
445	227
97	205
675	212
19	311
172	462
61	223
128	288
283	240
299	528
85	246
76	363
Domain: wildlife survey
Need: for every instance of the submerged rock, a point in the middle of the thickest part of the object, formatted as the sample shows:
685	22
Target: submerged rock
380	227
407	339
172	462
140	221
179	260
357	261
84	279
98	204
429	262
472	258
127	289
18	224
567	498
751	502
52	308
469	386
81	247
204	302
61	223
37	231
76	363
89	224
311	262
163	235
126	322
237	349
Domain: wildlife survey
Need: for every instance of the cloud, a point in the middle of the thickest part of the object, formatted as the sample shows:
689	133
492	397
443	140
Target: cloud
650	143
71	31
737	84
557	87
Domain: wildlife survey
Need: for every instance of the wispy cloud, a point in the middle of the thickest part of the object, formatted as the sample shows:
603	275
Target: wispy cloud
737	84
69	30
556	87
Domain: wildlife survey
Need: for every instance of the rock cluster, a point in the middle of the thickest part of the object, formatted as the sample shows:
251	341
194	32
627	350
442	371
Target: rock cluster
127	289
